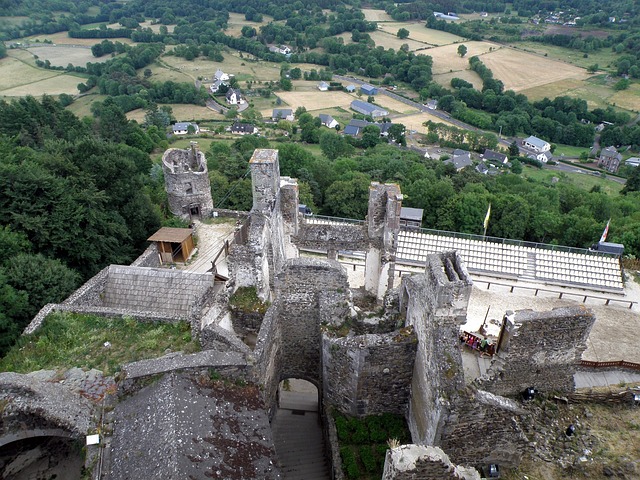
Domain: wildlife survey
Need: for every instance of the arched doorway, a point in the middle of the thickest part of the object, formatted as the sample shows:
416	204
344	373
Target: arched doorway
42	457
297	431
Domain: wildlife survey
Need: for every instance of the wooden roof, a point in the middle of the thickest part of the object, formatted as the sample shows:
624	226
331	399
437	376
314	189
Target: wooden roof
168	234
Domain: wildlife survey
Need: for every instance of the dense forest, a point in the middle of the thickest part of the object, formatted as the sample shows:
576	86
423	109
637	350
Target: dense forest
74	197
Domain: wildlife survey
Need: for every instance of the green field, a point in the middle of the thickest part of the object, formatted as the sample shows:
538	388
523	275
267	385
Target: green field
68	340
569	151
604	57
580	180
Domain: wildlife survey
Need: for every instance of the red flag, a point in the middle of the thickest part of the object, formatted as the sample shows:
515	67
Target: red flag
603	238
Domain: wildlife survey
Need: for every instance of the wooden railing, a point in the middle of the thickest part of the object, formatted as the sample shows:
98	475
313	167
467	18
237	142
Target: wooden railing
617	364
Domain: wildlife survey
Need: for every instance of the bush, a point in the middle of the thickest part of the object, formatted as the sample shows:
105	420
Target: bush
377	432
349	463
368	459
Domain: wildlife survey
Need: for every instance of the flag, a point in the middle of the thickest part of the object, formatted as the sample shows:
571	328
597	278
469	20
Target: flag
603	238
486	218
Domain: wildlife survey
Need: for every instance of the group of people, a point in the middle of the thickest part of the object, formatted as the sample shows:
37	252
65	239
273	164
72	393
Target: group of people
481	344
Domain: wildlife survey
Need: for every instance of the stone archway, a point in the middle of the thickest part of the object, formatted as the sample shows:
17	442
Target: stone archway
41	454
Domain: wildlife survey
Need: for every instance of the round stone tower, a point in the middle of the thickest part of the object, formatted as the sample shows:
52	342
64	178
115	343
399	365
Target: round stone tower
187	182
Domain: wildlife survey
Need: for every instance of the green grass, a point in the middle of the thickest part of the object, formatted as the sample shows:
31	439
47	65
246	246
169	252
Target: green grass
580	180
603	57
67	340
363	442
569	151
246	299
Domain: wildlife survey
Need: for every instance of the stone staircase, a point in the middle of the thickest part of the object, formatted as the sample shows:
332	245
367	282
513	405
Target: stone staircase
530	272
297	435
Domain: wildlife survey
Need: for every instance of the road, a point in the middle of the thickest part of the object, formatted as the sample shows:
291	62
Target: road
505	142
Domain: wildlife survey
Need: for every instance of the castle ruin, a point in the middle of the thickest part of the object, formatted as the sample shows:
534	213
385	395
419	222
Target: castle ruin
407	362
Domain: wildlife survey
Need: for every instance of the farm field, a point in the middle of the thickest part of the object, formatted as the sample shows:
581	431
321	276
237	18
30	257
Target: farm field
392	104
420	33
237	21
470	76
446	58
82	106
313	100
372	15
628	99
62	38
16	72
61	83
595	93
513	67
415	121
62	55
181	112
603	58
389	40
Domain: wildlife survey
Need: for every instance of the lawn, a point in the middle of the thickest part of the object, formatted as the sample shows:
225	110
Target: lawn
569	150
67	340
581	180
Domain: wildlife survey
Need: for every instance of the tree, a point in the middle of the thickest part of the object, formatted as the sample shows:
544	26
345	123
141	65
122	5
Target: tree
514	150
593	68
633	182
622	84
462	50
396	133
334	145
403	33
349	198
516	167
286	84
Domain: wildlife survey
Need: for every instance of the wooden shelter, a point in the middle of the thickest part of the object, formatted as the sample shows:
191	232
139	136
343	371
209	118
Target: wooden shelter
174	244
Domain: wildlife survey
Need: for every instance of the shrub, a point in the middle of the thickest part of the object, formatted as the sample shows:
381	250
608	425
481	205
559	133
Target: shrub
368	459
349	463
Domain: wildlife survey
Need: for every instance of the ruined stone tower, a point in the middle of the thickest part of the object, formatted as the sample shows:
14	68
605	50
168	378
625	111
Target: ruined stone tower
186	180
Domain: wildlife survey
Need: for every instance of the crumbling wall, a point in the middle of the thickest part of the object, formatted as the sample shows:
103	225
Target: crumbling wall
383	226
269	357
248	262
484	429
435	304
539	349
299	288
411	462
148	258
331	237
369	374
187	181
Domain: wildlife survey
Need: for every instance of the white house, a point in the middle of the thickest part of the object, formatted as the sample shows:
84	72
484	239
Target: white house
182	128
234	97
282	114
536	144
328	120
323	86
220	75
544	157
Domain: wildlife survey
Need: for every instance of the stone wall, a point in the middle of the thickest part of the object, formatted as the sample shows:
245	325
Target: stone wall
269	357
369	374
148	258
187	181
539	349
412	462
484	429
435	305
331	237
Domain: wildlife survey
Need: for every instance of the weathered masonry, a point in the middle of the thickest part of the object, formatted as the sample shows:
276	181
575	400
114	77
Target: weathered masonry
401	354
187	182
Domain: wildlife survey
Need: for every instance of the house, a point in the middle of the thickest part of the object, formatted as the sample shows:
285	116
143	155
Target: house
234	97
215	86
446	16
632	162
368	109
609	159
243	129
221	76
411	218
367	89
460	159
282	114
497	157
544	157
355	127
432	104
350	88
323	86
328	120
283	49
536	144
482	168
182	128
